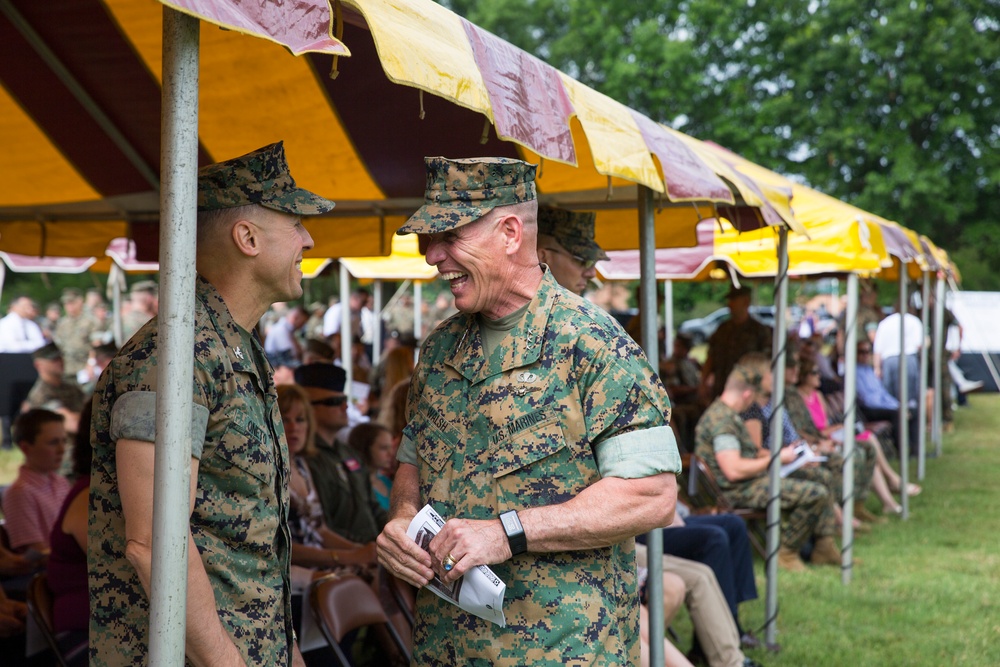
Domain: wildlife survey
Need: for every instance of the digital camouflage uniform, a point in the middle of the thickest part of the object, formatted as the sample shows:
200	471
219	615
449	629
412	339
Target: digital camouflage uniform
345	492
574	230
864	458
239	519
55	397
73	335
564	399
806	506
730	342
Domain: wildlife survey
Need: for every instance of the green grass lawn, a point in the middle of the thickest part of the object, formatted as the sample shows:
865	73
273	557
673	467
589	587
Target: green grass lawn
928	590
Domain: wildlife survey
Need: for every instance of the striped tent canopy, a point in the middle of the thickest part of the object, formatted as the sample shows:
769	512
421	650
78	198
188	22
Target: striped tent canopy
80	109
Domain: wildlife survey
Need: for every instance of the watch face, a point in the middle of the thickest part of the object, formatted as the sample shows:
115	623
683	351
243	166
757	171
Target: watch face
511	524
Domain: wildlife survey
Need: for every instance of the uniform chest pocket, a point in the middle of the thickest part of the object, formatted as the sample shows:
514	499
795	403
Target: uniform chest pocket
435	446
535	466
248	453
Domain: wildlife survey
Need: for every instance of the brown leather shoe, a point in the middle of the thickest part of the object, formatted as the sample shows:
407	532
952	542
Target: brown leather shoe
788	560
861	512
825	552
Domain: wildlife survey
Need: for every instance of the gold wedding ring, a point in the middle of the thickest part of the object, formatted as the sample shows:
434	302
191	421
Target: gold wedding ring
449	562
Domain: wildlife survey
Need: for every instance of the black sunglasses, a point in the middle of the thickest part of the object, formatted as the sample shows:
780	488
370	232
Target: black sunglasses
331	402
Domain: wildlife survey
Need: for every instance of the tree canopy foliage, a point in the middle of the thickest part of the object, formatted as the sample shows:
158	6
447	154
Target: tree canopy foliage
888	105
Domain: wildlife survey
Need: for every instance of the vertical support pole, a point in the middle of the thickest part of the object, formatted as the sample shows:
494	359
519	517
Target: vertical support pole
377	334
939	360
116	278
904	399
654	540
780	340
668	317
850	416
418	316
346	337
925	308
178	229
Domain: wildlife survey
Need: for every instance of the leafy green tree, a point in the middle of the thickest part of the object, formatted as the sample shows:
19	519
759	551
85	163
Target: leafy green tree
889	105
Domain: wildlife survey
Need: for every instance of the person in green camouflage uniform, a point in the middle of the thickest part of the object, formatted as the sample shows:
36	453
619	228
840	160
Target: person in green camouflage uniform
73	333
51	390
566	245
740	468
532	400
739	335
250	245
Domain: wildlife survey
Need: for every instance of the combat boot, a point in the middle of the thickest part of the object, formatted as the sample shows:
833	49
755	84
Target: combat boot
788	560
825	552
861	512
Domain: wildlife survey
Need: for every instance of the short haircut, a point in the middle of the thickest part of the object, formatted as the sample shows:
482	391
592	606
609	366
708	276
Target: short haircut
210	221
29	424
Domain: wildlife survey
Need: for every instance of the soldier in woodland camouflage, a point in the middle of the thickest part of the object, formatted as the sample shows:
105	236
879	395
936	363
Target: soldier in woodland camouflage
250	245
73	333
740	468
566	245
530	400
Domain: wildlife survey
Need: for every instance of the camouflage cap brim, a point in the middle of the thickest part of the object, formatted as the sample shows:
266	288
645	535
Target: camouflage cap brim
299	202
586	249
434	218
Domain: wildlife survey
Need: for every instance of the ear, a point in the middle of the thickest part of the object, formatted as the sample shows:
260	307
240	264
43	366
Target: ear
512	228
246	237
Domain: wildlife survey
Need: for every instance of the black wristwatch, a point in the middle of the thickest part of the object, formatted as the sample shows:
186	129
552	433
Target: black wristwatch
515	533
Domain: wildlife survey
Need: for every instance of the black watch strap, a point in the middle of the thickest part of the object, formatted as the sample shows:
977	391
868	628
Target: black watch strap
515	532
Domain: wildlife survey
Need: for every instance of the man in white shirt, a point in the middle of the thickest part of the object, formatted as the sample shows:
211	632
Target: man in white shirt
281	346
18	330
887	352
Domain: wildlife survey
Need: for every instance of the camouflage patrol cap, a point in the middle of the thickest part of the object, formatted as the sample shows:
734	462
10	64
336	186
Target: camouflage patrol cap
462	191
260	177
574	230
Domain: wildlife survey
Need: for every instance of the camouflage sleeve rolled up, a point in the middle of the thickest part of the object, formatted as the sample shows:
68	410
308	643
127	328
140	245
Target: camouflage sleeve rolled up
565	397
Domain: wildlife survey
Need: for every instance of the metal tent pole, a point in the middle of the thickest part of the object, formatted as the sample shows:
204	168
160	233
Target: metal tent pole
654	539
377	334
418	316
178	225
346	337
116	278
777	415
925	308
668	317
904	400
939	361
850	416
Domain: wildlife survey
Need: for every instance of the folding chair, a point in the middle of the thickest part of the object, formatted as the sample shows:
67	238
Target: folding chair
704	491
341	604
39	600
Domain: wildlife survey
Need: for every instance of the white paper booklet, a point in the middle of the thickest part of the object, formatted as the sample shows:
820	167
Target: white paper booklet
804	455
479	592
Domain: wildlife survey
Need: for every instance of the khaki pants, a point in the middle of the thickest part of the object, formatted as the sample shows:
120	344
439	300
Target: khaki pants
713	623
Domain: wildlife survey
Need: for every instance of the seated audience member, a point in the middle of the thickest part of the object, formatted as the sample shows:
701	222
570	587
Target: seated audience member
673	598
342	482
393	412
68	559
51	391
716	632
316	549
281	345
31	504
809	410
682	377
874	399
740	467
756	418
373	443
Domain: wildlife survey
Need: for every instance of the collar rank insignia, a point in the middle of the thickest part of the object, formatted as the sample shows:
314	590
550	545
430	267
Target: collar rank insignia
238	352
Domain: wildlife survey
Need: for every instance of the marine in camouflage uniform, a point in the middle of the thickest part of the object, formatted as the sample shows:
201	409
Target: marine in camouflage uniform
806	506
238	520
864	459
52	395
73	333
566	245
526	412
732	340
